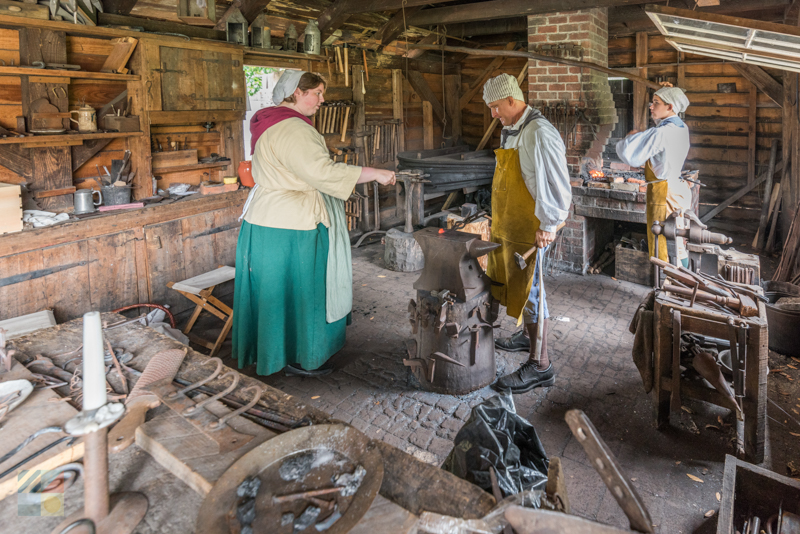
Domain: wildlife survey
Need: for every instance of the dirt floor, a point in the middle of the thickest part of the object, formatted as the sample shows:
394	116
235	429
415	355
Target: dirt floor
590	347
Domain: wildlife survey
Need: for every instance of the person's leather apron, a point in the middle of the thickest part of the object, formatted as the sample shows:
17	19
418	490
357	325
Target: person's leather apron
656	210
514	226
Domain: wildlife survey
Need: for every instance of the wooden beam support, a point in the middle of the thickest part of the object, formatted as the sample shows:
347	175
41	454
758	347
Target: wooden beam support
425	92
761	79
480	80
739	194
333	17
149	25
427	125
499	9
415	51
452	89
640	94
16	159
397	106
374	6
539	57
752	126
395	26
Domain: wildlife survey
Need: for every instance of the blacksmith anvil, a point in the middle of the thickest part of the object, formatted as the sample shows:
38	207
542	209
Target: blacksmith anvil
453	347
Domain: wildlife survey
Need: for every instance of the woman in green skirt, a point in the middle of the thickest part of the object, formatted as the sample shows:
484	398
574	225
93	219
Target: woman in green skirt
294	280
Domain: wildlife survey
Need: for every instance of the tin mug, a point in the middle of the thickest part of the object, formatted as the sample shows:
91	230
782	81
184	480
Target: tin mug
83	200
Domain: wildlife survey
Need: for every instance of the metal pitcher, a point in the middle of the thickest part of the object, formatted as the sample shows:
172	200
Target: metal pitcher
83	199
87	119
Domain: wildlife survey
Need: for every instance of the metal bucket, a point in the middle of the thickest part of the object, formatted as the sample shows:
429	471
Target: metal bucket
115	196
784	325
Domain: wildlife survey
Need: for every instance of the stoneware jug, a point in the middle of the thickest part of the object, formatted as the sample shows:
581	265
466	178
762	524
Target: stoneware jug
87	119
83	199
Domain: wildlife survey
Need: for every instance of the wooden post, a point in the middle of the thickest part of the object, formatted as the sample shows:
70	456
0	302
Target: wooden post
452	91
790	163
751	137
427	125
360	127
141	158
397	106
51	167
640	94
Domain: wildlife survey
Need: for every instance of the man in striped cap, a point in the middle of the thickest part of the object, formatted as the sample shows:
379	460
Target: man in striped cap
531	195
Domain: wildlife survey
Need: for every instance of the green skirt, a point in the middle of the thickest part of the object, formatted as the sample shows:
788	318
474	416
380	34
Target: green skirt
279	299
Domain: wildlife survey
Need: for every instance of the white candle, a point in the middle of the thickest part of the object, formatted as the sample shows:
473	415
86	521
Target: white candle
94	368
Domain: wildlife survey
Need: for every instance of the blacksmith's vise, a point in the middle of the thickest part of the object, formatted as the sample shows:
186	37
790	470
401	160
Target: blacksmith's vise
453	315
688	226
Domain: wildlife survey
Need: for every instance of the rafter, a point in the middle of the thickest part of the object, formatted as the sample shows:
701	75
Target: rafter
372	6
395	26
499	9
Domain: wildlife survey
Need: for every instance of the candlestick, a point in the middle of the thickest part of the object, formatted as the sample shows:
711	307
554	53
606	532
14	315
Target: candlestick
94	367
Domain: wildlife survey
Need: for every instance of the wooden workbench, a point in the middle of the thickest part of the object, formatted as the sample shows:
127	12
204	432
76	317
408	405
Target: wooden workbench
408	482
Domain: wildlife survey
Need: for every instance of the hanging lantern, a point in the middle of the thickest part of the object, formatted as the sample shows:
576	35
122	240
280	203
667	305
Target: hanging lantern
260	35
290	39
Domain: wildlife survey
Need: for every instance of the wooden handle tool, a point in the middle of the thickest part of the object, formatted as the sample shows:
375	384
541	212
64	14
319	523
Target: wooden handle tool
366	71
346	67
162	366
344	122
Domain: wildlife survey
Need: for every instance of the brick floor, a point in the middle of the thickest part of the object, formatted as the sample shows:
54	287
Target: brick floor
590	347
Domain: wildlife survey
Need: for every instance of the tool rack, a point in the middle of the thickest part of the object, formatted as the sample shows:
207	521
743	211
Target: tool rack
669	388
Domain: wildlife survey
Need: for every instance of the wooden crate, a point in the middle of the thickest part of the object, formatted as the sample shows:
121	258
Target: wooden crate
633	266
747	488
174	158
10	208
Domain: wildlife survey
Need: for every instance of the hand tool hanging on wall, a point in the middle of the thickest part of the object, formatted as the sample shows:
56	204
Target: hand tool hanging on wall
346	66
338	58
328	64
366	71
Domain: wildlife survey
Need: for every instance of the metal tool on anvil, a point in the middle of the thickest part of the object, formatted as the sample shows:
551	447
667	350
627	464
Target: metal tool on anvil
163	365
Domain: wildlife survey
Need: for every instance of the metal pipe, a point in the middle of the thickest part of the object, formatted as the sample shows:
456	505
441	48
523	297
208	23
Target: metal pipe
95	483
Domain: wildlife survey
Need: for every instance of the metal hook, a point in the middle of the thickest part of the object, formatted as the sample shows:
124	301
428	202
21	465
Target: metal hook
194	409
55	93
196	385
216	425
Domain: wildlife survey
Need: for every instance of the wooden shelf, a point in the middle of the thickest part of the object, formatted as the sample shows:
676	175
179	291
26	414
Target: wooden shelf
283	54
193	167
56	73
65	136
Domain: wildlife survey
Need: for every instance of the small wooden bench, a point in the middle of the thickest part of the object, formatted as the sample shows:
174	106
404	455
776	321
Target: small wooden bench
198	289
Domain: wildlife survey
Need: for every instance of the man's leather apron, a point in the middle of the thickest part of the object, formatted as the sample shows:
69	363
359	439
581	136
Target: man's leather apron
656	210
514	226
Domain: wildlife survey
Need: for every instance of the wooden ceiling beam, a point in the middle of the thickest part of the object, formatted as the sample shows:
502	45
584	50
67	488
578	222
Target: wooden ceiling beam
417	52
333	17
761	79
500	9
373	6
395	26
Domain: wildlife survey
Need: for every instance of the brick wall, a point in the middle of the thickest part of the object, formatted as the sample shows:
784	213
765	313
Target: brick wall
582	35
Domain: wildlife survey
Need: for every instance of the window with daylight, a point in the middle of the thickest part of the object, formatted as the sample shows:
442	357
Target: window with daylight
731	38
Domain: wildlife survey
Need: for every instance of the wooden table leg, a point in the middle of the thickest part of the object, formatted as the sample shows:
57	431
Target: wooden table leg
755	399
662	357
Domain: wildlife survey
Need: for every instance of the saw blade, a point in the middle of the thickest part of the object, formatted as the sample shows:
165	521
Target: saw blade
163	365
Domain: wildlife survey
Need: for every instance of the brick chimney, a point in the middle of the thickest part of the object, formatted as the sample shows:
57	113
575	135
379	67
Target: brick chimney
583	35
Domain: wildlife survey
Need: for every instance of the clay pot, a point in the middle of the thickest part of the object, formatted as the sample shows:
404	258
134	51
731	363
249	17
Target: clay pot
245	174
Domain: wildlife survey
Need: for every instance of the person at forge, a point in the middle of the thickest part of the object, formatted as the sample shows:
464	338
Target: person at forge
662	150
294	282
531	195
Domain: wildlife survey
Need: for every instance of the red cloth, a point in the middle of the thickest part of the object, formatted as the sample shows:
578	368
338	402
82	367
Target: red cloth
267	117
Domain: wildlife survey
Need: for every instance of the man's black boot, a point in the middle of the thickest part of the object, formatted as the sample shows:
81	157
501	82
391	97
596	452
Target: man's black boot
526	378
518	342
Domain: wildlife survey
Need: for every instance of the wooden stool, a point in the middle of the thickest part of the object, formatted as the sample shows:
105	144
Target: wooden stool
669	388
198	290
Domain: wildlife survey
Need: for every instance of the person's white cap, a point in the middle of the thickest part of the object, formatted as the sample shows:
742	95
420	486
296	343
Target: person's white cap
674	96
501	87
286	85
